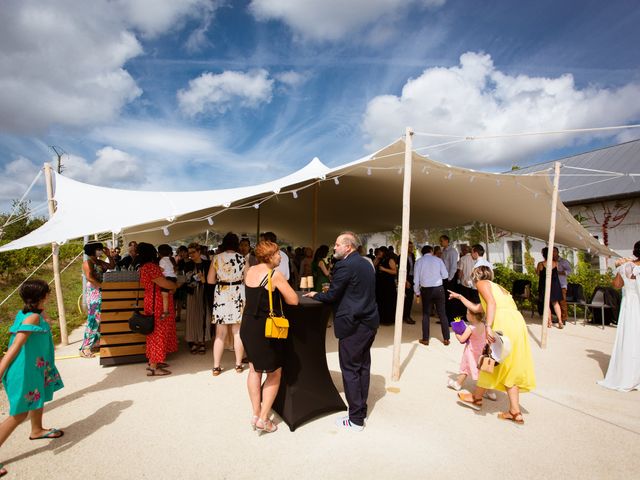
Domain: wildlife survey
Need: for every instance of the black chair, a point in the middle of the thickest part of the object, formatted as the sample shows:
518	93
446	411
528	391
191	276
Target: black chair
575	297
521	292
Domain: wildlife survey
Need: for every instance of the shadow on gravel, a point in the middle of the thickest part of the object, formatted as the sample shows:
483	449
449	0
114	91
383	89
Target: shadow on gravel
600	357
78	431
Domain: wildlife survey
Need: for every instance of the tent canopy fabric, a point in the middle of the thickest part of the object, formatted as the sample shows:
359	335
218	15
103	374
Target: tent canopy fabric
363	196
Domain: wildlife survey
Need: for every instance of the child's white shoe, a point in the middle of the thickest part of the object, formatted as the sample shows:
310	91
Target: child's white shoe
452	384
490	395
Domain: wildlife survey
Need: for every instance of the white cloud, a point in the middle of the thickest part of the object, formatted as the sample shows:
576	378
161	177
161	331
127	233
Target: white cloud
333	19
63	63
160	141
152	17
475	98
292	78
111	167
17	175
217	91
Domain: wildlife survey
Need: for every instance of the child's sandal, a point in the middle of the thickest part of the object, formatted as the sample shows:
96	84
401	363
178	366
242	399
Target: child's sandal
470	401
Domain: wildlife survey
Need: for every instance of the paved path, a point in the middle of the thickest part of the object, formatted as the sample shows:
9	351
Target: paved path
121	424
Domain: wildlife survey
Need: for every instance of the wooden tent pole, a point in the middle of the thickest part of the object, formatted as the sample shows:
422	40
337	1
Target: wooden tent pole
314	227
55	250
404	248
552	236
258	227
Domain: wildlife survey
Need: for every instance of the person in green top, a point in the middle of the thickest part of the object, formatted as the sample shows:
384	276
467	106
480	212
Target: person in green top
28	370
319	268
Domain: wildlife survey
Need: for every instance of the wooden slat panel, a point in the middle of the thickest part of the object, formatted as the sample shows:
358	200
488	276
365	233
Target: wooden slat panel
119	304
112	294
120	285
114	327
118	316
123	350
122	338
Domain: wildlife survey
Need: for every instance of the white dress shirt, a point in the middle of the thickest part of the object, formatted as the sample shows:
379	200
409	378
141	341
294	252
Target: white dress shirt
284	265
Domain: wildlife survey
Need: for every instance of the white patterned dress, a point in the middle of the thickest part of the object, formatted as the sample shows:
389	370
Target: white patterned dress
229	297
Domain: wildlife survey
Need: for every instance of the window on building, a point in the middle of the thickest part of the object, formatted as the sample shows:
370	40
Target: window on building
515	250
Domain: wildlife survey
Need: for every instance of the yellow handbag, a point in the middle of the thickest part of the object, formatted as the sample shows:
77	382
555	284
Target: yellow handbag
275	327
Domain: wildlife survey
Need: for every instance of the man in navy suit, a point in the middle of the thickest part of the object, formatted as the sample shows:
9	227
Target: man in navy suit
353	295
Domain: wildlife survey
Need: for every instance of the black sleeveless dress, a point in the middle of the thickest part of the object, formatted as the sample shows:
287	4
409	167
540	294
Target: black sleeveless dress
266	354
556	289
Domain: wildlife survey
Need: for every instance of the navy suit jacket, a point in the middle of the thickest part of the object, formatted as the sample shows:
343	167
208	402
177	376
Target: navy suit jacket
353	295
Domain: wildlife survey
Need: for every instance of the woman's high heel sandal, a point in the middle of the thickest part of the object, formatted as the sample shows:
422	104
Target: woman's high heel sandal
254	420
265	426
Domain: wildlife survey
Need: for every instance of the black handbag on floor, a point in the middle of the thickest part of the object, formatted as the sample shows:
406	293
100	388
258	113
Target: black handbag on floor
139	322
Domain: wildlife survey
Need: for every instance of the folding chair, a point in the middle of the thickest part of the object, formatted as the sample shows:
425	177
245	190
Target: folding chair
575	297
597	301
521	291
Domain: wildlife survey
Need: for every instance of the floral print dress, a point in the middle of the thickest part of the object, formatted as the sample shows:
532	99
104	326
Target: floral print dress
229	296
32	377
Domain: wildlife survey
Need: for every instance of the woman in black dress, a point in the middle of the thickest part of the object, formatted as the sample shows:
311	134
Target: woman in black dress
556	289
386	272
264	354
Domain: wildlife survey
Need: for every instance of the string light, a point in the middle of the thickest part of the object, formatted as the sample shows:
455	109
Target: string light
171	219
276	190
210	220
400	171
165	230
256	206
473	177
295	194
336	181
449	176
369	171
226	205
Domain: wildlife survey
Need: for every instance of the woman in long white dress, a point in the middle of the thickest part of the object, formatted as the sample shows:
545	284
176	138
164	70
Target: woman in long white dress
623	373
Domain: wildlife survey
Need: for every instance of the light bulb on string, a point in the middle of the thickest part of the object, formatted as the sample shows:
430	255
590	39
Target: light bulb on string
256	206
400	171
295	194
449	176
226	205
369	171
336	181
165	230
473	177
210	220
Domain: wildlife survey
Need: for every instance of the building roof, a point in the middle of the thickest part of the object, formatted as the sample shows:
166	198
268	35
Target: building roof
584	186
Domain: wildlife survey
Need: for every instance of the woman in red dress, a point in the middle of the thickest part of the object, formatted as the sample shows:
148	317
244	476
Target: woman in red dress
163	339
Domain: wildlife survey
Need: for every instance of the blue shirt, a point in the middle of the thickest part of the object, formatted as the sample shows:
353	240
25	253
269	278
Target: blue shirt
450	259
429	271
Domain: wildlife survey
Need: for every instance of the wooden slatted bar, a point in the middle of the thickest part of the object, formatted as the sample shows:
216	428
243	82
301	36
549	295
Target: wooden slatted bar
118	344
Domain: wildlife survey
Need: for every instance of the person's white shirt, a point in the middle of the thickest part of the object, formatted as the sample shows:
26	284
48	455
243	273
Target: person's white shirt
482	262
167	267
284	265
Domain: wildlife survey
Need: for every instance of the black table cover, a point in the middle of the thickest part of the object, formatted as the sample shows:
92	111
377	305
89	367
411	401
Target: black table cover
306	390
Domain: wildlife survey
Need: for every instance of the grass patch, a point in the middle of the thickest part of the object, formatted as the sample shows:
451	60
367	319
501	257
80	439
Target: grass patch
71	289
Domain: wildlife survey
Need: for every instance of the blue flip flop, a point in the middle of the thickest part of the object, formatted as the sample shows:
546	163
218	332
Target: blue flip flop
53	433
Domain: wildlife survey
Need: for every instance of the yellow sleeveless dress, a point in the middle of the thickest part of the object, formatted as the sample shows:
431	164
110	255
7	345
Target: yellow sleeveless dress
517	369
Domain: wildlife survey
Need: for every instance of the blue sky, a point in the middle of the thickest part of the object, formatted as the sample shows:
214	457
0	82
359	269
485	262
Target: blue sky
204	94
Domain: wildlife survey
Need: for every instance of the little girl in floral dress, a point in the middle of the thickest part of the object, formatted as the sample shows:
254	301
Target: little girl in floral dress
474	338
28	370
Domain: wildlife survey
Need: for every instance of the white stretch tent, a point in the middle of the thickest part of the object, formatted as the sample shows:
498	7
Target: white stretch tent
367	197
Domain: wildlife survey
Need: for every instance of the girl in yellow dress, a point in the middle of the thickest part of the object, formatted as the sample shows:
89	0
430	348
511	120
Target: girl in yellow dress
515	373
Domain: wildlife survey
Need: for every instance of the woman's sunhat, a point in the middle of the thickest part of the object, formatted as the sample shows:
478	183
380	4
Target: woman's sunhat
501	348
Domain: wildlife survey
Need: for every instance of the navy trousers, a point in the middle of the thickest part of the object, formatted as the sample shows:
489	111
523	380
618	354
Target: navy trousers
435	295
354	353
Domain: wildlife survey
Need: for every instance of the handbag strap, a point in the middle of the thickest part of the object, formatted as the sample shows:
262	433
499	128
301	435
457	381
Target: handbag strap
269	275
153	298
